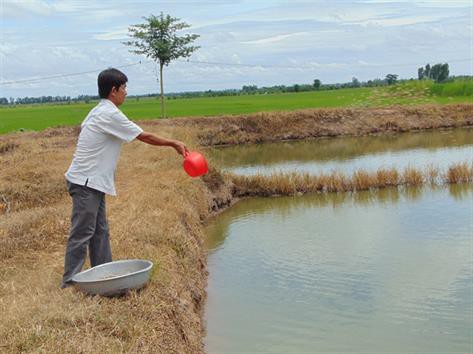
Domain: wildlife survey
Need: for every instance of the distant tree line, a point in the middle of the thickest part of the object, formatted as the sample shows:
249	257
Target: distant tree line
437	72
58	99
315	86
46	99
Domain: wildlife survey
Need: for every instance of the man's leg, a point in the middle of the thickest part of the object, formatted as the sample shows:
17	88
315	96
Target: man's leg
85	207
99	246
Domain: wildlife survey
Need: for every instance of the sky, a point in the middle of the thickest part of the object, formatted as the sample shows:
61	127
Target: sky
242	42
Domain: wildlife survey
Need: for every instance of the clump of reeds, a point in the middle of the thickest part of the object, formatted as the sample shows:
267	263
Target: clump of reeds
387	177
294	183
459	173
363	180
432	174
413	176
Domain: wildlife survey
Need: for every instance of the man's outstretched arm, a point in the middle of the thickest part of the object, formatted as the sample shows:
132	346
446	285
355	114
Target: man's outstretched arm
150	138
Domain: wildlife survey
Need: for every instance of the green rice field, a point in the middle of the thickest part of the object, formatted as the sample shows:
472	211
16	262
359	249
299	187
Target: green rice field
41	116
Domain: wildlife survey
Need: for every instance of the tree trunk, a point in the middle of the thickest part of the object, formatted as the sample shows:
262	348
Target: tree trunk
162	90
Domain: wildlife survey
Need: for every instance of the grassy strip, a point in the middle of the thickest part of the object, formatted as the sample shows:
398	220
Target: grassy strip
302	183
451	89
39	117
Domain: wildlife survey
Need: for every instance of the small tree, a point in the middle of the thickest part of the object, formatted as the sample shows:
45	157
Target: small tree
391	79
420	73
444	72
317	84
249	89
439	72
427	71
355	82
157	40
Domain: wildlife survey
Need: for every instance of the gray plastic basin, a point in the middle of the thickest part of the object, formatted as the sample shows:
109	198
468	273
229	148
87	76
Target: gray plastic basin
114	278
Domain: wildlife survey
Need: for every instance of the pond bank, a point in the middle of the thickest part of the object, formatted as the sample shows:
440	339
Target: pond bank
158	215
318	123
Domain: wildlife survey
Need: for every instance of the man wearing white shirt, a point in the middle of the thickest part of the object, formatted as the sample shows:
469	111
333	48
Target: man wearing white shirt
92	171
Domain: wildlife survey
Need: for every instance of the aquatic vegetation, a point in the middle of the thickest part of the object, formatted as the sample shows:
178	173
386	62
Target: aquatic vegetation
294	183
459	173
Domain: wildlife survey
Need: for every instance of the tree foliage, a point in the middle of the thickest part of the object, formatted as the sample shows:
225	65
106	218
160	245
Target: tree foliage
355	82
420	73
391	79
157	39
438	72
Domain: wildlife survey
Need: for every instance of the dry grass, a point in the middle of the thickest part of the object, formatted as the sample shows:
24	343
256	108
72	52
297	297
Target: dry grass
459	173
158	216
432	175
312	123
295	183
413	176
7	147
387	177
363	180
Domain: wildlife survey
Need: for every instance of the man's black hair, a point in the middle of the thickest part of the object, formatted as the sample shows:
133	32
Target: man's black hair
110	78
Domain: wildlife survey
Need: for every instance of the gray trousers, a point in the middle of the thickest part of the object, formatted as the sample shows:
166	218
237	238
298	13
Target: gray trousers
89	229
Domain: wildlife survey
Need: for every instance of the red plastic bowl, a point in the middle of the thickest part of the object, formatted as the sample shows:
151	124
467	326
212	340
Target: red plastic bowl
195	164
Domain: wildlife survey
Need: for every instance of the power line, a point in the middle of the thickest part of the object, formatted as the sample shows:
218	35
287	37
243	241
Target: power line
61	75
227	64
311	66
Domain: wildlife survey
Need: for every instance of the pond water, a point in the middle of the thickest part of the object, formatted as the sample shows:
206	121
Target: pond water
375	271
440	148
386	271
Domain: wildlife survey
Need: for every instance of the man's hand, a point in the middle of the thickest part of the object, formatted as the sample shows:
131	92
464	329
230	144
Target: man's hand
180	148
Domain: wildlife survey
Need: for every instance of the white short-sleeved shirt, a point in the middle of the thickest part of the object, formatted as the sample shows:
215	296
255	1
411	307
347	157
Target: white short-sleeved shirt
103	132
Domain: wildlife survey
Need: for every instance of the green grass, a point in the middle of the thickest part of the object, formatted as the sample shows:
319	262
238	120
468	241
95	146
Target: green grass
455	88
38	117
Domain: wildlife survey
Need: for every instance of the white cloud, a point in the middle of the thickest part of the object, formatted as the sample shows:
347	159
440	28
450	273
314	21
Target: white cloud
112	35
69	54
7	48
20	8
399	21
272	39
107	15
426	3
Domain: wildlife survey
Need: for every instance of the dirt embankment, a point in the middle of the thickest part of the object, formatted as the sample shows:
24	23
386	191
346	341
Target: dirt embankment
314	123
158	215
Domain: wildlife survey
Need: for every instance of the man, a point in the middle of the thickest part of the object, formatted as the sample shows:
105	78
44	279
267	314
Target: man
91	173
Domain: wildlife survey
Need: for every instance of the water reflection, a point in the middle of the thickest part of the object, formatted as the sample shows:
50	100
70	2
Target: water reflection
347	154
342	148
460	191
363	272
285	206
